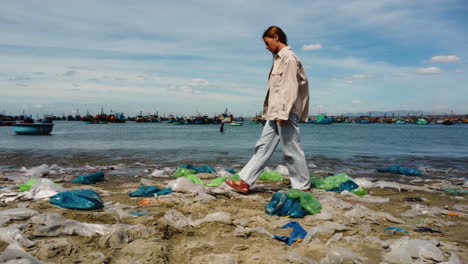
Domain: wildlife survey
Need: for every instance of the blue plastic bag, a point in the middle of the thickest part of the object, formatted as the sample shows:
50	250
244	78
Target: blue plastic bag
204	168
146	191
78	199
403	171
345	186
297	233
281	204
89	178
233	171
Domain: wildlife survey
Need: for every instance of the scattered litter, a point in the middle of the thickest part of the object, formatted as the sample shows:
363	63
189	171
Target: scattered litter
147	191
427	229
297	234
397	169
78	199
393	230
204	168
141	212
283	205
271	176
91	178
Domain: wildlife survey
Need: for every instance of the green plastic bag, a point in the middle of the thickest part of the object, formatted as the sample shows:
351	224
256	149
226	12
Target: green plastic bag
27	186
216	182
316	181
308	201
360	191
333	181
194	178
181	172
236	177
271	176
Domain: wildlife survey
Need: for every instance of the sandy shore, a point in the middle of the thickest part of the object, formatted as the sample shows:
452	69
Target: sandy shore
170	233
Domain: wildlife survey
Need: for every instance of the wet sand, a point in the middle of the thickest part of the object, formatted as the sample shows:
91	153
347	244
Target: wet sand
154	239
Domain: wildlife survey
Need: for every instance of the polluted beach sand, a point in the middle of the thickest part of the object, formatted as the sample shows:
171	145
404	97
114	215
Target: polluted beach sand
199	224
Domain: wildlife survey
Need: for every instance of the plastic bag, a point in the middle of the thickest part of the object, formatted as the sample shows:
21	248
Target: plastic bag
78	199
397	169
345	186
27	186
204	168
185	185
92	178
297	234
194	178
271	176
338	255
360	191
18	213
146	191
216	182
332	181
12	234
281	204
181	172
308	201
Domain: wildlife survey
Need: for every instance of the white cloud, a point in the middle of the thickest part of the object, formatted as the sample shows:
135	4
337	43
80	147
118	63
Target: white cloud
361	76
356	102
198	82
445	59
312	47
429	71
458	71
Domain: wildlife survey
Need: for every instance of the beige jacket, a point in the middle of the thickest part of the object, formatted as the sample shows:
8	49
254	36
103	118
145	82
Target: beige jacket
288	88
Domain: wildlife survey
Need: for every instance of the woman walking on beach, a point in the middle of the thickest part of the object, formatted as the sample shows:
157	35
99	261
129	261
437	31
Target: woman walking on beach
286	103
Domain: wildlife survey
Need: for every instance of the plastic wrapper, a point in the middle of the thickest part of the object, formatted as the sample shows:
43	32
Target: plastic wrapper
271	176
78	199
91	178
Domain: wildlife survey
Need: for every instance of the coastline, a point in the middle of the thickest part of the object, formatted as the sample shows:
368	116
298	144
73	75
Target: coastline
153	238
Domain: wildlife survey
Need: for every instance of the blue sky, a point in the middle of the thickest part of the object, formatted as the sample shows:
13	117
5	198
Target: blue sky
185	57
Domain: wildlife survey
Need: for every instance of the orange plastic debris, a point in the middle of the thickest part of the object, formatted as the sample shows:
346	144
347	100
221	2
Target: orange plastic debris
453	214
145	201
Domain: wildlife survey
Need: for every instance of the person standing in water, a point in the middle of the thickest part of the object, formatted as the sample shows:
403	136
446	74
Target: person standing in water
286	104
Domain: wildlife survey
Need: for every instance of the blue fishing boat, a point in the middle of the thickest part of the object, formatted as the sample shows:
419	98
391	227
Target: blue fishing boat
33	128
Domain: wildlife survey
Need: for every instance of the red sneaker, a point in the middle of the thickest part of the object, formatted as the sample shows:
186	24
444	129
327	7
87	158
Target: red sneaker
240	185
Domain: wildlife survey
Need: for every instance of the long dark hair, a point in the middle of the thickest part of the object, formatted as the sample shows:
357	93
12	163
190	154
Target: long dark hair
274	30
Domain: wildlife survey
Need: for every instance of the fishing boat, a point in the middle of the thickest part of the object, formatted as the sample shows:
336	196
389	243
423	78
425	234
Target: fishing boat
422	121
33	128
322	120
236	123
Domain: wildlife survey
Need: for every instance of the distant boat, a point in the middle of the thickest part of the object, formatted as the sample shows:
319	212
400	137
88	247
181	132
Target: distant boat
236	123
33	128
447	123
322	120
7	123
399	121
422	121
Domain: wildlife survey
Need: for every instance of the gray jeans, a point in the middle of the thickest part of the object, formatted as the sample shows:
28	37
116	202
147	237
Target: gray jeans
294	156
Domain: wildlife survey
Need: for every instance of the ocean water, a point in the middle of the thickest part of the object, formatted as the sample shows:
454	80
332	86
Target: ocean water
337	147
